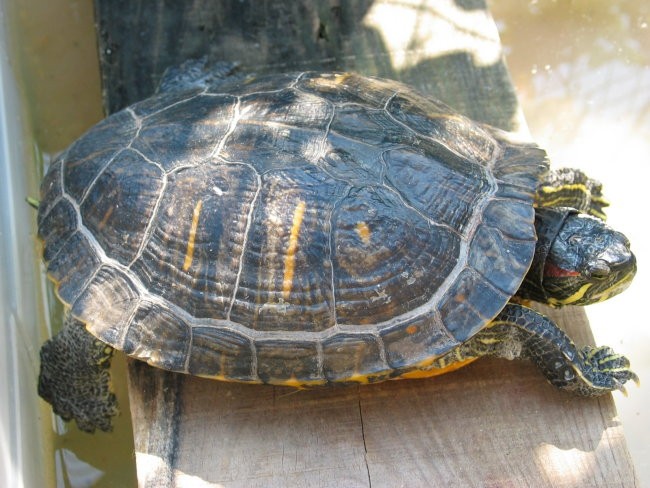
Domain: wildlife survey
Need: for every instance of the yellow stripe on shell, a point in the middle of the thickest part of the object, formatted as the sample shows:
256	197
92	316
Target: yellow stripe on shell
189	254
292	248
107	216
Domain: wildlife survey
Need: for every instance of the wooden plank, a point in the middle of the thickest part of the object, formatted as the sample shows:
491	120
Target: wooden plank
494	423
449	50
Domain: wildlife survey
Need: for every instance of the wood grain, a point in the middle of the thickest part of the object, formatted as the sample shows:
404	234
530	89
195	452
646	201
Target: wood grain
494	423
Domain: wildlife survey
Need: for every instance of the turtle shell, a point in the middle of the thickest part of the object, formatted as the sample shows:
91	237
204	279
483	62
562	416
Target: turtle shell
294	229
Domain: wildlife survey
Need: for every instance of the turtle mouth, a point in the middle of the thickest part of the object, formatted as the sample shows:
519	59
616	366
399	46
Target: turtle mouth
611	277
614	287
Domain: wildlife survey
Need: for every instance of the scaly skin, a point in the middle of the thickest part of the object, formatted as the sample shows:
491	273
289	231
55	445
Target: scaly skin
519	332
75	377
570	187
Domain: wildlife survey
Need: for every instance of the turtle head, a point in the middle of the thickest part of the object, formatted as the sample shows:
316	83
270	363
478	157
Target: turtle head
587	262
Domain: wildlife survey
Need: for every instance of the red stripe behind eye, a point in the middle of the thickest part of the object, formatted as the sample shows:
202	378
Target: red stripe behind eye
556	272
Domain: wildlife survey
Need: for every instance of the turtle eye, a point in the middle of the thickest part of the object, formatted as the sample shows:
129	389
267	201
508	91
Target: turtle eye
598	270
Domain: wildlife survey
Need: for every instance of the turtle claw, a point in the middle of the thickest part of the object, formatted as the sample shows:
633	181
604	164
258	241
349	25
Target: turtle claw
633	377
607	370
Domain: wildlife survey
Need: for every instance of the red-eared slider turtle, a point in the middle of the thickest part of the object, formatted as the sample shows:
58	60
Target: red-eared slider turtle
311	229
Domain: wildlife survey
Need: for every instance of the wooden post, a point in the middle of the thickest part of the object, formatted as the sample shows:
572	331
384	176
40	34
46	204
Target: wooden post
491	424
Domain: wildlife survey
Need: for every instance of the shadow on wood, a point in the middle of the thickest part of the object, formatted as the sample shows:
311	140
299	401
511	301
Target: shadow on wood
450	50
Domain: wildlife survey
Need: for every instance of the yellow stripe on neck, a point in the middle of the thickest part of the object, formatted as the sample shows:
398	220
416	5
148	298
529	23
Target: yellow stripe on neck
572	298
573	186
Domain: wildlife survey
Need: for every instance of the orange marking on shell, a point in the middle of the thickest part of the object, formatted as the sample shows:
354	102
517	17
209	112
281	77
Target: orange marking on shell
411	329
290	257
364	232
189	254
428	373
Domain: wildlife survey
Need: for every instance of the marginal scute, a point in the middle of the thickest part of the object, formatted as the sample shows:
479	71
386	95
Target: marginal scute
497	258
513	192
280	360
158	336
416	340
73	266
162	101
247	86
56	227
521	164
107	304
469	304
340	88
221	352
350	355
51	190
520	218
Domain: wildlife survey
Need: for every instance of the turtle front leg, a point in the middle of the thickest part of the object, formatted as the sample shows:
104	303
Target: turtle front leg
520	332
570	187
75	377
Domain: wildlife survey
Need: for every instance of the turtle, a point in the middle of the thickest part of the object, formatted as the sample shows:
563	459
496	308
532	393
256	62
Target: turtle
314	229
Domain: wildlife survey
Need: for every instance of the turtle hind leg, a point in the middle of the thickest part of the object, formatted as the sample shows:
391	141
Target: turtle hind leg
520	332
75	378
570	187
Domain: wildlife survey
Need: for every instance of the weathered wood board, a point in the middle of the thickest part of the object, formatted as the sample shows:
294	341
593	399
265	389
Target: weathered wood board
492	424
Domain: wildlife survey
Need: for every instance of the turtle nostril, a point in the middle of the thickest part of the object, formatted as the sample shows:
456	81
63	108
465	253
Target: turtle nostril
623	240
